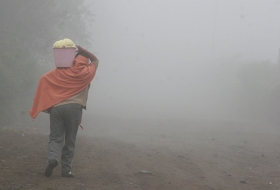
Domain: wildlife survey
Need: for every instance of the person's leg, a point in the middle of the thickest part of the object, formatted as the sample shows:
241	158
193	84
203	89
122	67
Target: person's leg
57	130
56	138
72	122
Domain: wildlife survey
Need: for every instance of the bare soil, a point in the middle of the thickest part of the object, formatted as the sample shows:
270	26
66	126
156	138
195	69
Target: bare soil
173	155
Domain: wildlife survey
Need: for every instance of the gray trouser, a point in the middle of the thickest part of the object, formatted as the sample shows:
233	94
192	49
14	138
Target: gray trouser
64	124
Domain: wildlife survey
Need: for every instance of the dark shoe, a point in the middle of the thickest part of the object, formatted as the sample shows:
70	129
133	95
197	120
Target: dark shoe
49	169
67	174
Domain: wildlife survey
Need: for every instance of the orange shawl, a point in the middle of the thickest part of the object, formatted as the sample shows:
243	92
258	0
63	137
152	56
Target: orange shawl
62	83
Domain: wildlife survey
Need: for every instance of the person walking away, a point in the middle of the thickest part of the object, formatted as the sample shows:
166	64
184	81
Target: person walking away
63	93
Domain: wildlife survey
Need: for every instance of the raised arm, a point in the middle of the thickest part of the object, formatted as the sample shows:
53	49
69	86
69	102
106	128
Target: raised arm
90	55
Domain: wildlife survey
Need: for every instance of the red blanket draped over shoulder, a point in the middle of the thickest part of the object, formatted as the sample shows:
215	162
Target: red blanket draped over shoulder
62	83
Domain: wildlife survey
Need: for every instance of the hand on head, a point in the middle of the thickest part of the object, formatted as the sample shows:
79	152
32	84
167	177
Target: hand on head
80	49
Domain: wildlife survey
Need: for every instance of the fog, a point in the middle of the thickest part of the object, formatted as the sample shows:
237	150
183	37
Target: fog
177	59
186	95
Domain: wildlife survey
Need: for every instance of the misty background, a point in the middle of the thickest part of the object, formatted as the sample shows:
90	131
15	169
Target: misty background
163	59
187	90
184	59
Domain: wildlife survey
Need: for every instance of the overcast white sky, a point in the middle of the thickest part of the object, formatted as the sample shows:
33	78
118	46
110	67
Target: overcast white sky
156	56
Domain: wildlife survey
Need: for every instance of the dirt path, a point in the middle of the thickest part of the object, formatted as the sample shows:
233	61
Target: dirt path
194	157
